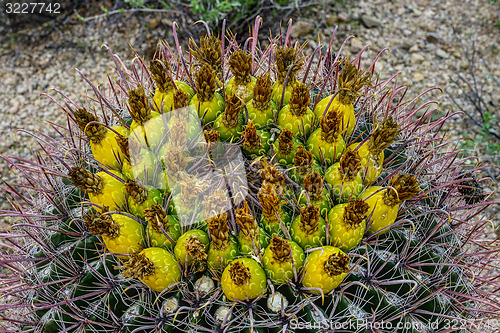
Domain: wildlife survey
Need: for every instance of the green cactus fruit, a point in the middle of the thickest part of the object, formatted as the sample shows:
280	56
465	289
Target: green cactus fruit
296	115
285	147
147	128
252	238
146	169
164	102
372	151
191	249
207	102
230	122
315	193
121	234
345	177
330	103
261	109
242	83
255	142
166	86
384	202
102	188
184	123
282	260
140	198
308	229
304	163
103	144
155	267
326	143
288	63
350	82
243	279
223	247
163	230
325	269
347	224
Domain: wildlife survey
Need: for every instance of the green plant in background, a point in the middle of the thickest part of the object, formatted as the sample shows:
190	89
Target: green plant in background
145	215
234	11
481	110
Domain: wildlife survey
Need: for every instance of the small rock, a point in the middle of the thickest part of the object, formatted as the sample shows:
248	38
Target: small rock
442	54
432	37
406	44
356	45
417	76
154	23
330	20
301	29
417	12
370	21
343	17
21	89
413	49
416	58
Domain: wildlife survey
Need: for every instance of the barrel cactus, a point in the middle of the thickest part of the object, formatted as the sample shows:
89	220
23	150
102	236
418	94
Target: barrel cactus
232	188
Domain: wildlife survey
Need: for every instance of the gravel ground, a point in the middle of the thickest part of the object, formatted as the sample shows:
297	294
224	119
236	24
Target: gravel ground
427	39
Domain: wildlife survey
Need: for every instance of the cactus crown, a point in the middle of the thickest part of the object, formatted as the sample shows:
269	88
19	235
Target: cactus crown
406	187
157	217
314	184
350	164
205	83
95	132
232	113
241	65
262	92
336	264
423	269
251	139
102	224
299	101
303	160
280	249
330	125
85	180
287	63
239	273
285	142
355	213
138	267
139	105
159	69
309	219
209	52
382	136
134	189
351	81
